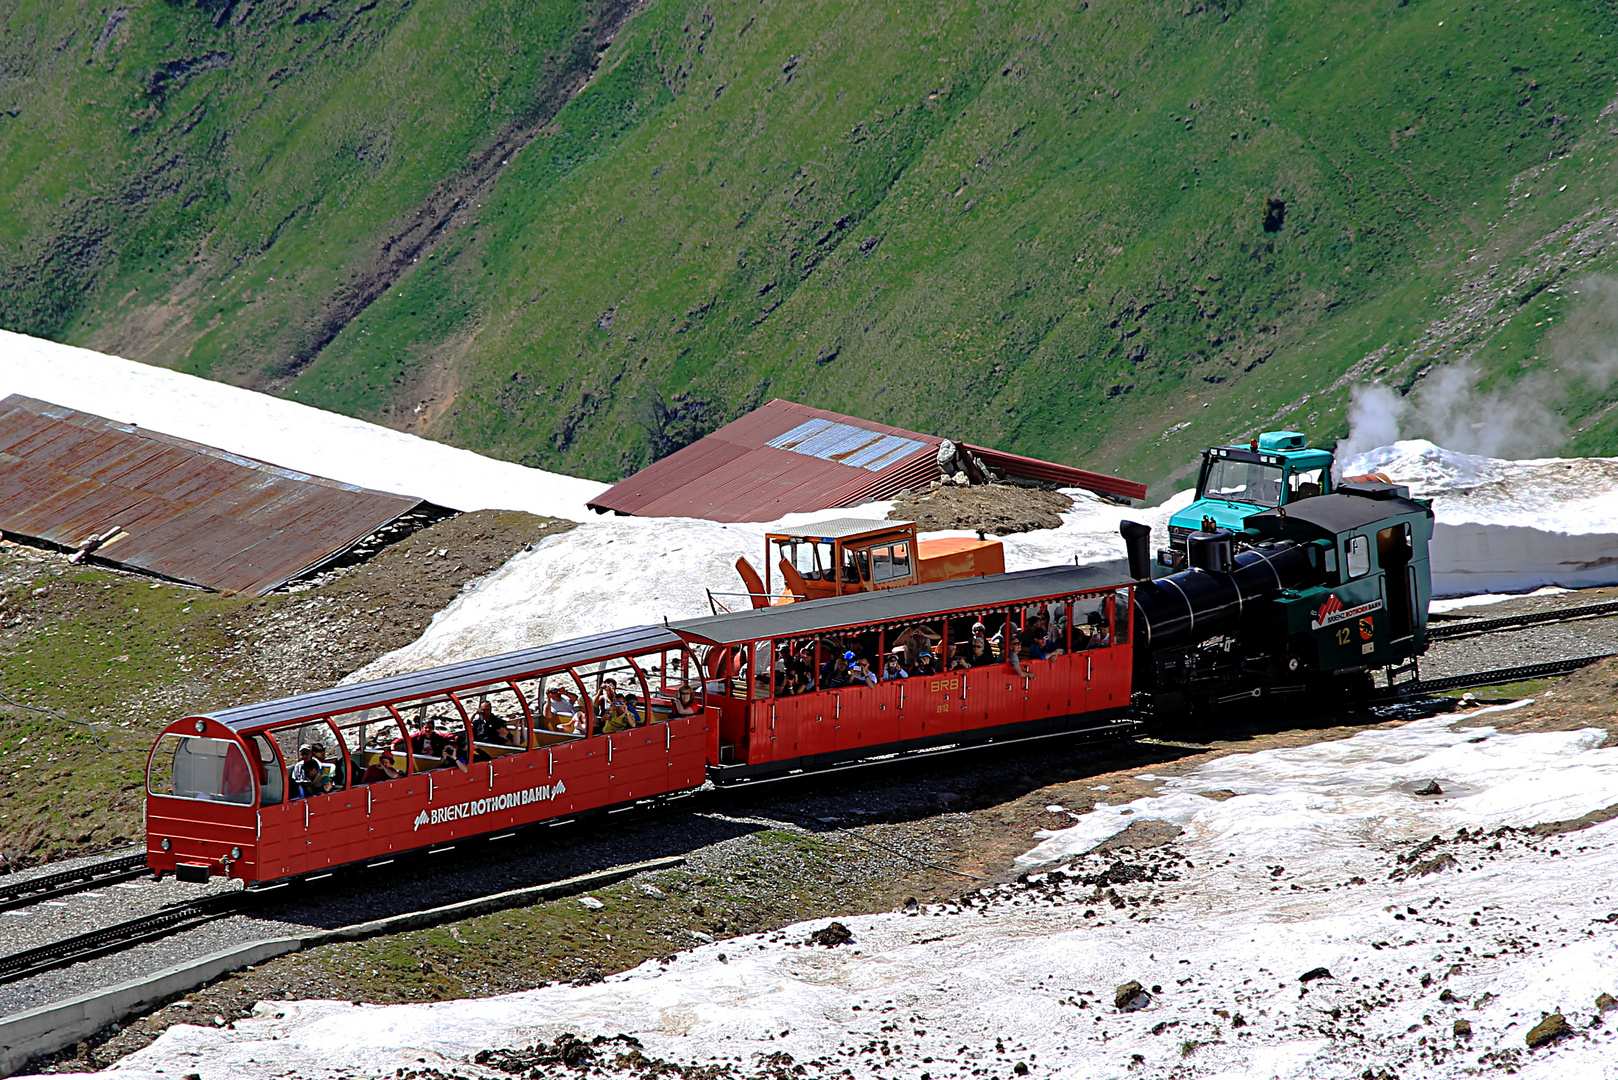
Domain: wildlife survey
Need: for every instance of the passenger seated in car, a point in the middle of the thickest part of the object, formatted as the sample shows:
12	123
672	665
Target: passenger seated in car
891	669
860	673
617	719
606	696
1015	657
307	776
500	732
1099	633
834	673
451	758
685	703
383	770
632	703
430	740
483	721
926	664
978	652
561	712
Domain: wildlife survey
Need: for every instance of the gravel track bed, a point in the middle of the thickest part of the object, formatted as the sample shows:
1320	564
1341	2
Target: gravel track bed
80	913
17	877
1510	648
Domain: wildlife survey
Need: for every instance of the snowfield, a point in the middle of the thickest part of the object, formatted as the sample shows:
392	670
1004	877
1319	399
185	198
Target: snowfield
1318	917
1509	526
634	571
282	432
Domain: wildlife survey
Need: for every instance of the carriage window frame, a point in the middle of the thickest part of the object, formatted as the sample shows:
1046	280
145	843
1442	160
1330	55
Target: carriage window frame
183	742
1356	557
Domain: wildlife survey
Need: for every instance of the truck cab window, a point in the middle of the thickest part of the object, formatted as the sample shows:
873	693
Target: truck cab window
1242	481
1305	484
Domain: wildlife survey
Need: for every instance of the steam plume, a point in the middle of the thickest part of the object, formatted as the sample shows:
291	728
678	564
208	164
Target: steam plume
1518	419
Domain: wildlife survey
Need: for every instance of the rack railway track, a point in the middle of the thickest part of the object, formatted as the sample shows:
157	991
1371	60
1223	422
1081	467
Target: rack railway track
1469	627
66	882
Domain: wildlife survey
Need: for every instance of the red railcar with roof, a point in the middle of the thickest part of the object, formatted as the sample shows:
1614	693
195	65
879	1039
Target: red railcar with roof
228	794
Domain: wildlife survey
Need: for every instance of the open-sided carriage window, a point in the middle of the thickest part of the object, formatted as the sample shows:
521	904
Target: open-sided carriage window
1092	621
318	771
915	640
499	723
370	736
271	773
559	704
613	682
431	723
207	770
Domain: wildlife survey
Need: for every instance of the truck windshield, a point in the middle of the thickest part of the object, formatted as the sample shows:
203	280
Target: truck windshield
210	770
1243	481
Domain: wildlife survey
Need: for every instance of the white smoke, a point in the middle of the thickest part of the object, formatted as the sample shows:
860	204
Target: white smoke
1510	419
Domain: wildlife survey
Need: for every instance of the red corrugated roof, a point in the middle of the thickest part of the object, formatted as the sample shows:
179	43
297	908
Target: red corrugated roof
736	475
184	511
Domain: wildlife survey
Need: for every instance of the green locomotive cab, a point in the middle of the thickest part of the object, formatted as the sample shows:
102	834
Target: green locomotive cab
1368	608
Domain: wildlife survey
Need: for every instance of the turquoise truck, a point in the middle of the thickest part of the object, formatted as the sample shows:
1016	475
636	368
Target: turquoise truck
1274	470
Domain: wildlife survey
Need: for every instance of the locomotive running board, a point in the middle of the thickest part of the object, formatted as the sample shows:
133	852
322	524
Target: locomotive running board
1113	726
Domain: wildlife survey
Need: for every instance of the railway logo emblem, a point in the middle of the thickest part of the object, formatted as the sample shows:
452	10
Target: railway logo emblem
458	811
1332	612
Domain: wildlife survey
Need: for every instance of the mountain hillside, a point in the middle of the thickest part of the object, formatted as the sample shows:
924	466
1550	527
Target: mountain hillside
581	234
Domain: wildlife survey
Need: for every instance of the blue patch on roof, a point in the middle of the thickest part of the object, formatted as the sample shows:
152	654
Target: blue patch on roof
846	444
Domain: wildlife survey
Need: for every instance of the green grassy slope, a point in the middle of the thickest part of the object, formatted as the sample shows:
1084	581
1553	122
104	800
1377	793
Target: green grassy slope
1106	233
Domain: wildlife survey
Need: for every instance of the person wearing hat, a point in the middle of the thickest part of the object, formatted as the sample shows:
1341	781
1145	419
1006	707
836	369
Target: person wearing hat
926	664
859	672
307	777
891	669
384	769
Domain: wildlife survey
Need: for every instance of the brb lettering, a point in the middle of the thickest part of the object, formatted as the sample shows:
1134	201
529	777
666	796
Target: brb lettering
939	685
438	815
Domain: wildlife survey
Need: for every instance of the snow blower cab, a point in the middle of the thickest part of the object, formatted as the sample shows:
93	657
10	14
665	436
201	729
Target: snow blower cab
1275	469
853	555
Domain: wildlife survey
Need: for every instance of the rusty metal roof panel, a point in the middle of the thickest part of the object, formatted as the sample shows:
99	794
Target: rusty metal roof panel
170	507
784	458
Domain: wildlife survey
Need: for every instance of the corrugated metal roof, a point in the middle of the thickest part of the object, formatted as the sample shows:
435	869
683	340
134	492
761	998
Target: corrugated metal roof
785	458
466	674
174	508
996	591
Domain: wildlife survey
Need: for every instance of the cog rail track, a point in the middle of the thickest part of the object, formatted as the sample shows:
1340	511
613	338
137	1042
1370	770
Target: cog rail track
1470	627
65	882
120	936
1490	678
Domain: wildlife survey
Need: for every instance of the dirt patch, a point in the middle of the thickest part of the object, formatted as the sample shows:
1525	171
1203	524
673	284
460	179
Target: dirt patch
994	508
310	639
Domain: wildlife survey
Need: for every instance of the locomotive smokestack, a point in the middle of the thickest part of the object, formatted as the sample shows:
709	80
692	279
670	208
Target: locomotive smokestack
1137	542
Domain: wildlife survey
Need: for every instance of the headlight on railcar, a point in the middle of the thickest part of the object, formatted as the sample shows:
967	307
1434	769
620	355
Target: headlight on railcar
235	853
166	844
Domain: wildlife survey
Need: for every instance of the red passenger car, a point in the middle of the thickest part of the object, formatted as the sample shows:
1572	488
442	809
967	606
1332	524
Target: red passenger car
364	772
753	656
229	792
